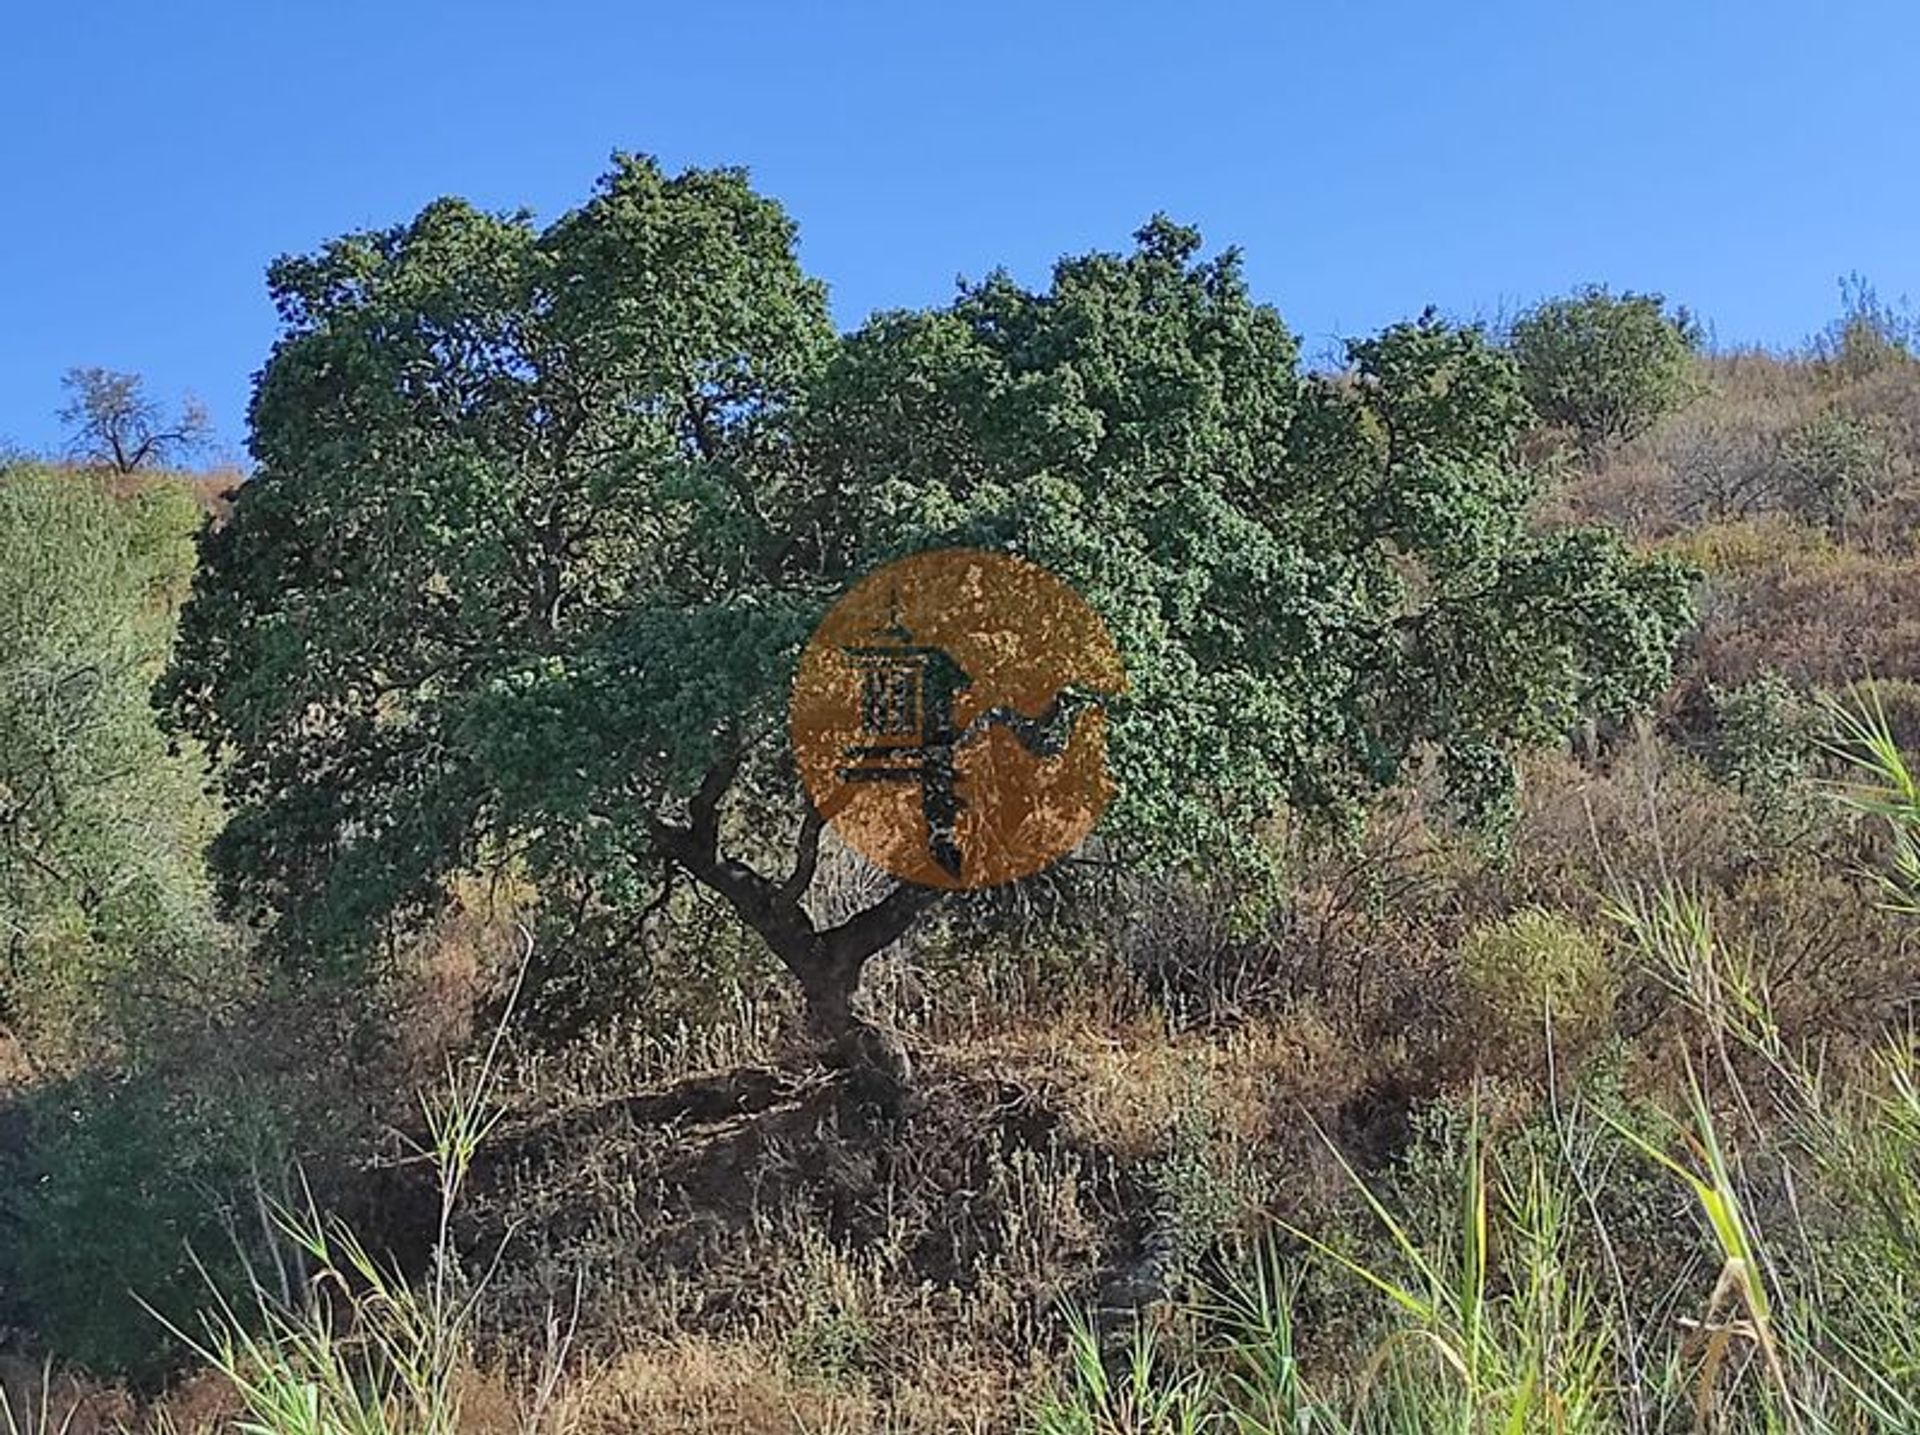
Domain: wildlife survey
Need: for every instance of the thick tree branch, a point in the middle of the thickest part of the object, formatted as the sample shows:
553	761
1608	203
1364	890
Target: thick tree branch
806	862
827	962
703	809
882	924
752	895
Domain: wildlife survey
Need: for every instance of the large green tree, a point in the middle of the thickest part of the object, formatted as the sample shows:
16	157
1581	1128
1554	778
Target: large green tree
543	515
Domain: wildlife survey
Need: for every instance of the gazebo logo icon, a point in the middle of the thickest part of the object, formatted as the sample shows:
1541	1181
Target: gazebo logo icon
907	691
948	717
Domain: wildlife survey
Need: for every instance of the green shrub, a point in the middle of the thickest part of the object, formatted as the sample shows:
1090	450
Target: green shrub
100	869
1605	366
1205	1186
130	1194
1832	468
1765	737
1533	966
111	947
1869	336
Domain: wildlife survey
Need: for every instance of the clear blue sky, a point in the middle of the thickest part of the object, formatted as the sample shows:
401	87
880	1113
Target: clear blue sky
1369	158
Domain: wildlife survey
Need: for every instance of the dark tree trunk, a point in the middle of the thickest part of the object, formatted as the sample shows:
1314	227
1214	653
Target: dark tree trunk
827	962
829	991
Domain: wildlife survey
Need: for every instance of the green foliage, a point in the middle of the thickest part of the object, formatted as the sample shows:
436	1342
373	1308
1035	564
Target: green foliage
1766	738
124	1181
1605	366
109	942
1533	969
1832	467
542	516
1765	734
1205	1186
568	442
1137	1397
100	822
1496	1320
831	1342
1887	788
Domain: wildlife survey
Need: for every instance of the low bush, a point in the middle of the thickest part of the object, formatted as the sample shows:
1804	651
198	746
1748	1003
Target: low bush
1834	467
127	1199
1604	365
1533	977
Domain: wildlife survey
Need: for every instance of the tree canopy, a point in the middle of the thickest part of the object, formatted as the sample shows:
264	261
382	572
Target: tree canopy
542	517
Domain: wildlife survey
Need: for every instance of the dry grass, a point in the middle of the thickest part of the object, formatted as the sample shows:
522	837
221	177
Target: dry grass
1127	1089
731	1387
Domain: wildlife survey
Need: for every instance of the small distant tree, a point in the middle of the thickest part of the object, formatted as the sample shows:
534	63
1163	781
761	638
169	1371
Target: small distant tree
1606	366
114	423
1869	335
